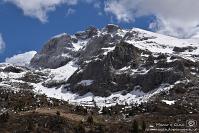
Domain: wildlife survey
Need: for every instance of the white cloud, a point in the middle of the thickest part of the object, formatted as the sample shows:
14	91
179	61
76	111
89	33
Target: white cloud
174	17
100	13
2	44
70	11
97	5
94	3
21	59
39	8
124	10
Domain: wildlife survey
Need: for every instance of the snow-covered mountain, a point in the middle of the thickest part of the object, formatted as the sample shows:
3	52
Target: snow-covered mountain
111	65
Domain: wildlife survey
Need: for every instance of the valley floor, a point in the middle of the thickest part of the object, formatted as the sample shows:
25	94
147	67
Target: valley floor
61	119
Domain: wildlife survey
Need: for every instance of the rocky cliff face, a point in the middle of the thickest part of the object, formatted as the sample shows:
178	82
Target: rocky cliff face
117	60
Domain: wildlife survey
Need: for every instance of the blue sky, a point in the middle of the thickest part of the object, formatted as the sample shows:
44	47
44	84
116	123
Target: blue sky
27	26
22	33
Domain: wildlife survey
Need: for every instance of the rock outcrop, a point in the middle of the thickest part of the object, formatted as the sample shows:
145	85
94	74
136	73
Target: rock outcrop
55	53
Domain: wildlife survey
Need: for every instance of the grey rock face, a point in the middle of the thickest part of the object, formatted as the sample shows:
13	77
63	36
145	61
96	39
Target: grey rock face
110	28
55	53
96	44
183	49
60	50
155	77
13	69
123	54
104	71
90	32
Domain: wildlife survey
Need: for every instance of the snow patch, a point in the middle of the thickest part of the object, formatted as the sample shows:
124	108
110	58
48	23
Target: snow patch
54	92
108	49
134	97
85	82
169	102
157	43
64	72
59	35
80	44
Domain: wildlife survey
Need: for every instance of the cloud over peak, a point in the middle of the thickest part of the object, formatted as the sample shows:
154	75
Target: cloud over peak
2	44
173	17
39	8
123	10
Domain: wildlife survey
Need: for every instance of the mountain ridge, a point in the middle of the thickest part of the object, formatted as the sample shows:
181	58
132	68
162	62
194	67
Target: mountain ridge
112	66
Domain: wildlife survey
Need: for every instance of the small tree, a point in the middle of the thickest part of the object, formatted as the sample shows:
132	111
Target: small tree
58	113
143	126
135	127
30	124
4	117
80	128
104	110
90	120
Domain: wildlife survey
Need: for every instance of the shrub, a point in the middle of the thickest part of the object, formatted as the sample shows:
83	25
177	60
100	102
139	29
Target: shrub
90	119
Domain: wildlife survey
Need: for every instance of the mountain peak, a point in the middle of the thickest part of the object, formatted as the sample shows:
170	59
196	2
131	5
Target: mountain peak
111	28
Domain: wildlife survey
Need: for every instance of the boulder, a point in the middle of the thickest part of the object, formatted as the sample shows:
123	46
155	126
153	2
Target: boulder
183	49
